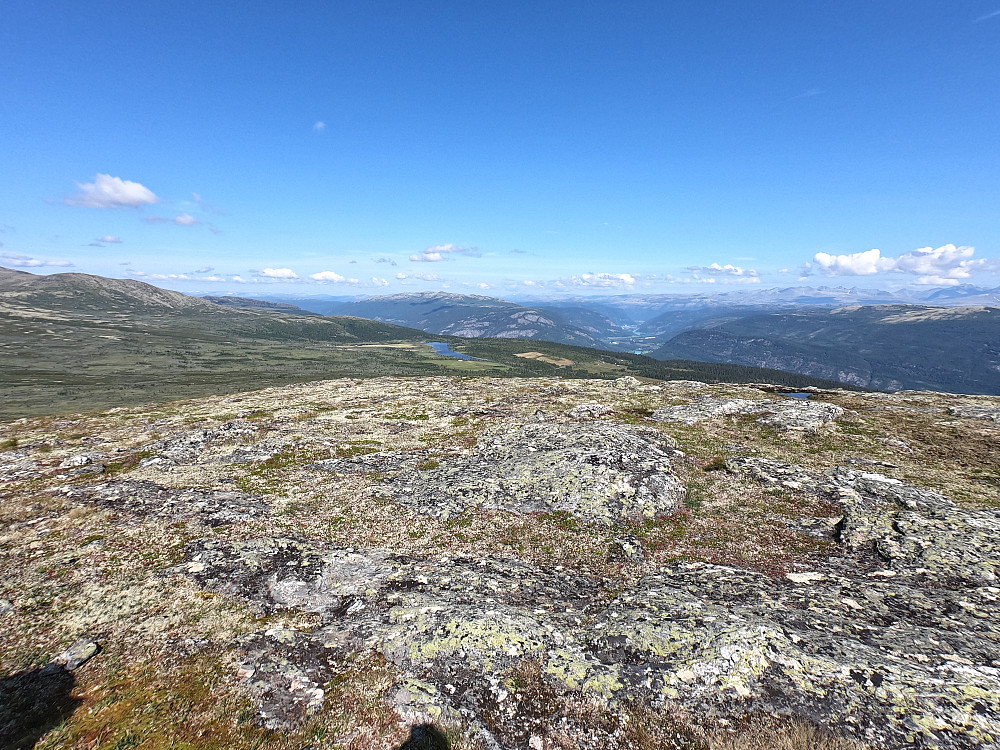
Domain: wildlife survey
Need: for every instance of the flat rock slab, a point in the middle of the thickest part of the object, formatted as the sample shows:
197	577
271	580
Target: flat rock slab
880	658
895	524
787	414
976	411
602	472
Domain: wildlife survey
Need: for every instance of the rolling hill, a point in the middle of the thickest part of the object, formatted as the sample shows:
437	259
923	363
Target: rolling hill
75	342
476	316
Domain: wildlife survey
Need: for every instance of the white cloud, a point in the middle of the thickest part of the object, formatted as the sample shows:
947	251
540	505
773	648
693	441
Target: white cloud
212	278
945	265
319	126
483	286
110	239
239	280
379	282
186	220
26	261
112	192
440	252
279	273
401	276
529	282
855	264
205	269
327	276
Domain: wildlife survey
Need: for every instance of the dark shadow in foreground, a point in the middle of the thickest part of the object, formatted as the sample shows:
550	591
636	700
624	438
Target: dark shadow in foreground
425	737
33	703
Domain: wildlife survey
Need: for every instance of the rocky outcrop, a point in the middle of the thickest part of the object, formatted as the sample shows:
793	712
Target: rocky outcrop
877	654
897	525
789	414
602	472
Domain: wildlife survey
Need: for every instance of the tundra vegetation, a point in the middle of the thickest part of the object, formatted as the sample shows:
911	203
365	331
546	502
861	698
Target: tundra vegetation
479	562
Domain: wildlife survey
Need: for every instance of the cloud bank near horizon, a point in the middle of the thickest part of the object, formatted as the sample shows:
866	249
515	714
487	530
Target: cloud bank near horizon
948	265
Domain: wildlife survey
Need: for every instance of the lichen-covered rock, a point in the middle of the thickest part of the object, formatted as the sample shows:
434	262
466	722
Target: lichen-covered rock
602	472
386	463
870	653
141	498
707	407
589	411
898	525
787	414
188	447
976	411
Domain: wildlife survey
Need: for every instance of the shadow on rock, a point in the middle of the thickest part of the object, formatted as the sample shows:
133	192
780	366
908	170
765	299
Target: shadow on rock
33	703
425	737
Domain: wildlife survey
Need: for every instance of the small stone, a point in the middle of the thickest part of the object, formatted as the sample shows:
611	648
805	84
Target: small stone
536	742
82	460
77	655
626	548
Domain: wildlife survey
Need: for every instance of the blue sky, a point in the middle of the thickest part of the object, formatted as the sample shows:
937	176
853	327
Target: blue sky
502	148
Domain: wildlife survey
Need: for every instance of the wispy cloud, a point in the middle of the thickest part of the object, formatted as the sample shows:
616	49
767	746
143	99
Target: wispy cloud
111	192
438	253
27	261
319	127
186	220
987	17
111	239
390	261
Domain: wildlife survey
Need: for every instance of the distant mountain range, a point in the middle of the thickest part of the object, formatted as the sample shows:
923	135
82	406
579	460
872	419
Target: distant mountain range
475	316
885	347
76	342
869	337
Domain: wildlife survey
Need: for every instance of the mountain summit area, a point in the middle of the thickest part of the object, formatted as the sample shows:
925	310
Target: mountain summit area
504	563
300	531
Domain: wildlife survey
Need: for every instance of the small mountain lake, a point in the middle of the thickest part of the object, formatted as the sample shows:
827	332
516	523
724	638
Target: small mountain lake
796	395
444	348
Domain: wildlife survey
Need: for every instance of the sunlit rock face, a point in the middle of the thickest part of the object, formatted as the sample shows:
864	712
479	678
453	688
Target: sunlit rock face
601	472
